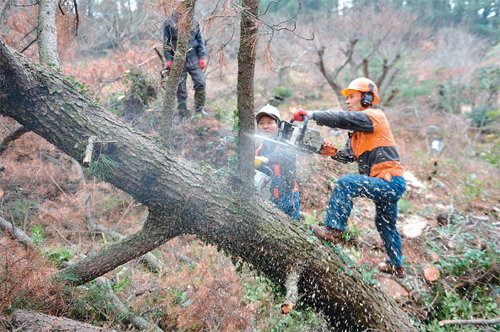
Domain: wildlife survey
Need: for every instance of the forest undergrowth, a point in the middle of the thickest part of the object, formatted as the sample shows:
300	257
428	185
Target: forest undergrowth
199	288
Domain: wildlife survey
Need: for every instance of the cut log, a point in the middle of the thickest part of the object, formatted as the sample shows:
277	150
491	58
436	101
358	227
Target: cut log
32	321
412	230
431	273
434	256
185	198
414	226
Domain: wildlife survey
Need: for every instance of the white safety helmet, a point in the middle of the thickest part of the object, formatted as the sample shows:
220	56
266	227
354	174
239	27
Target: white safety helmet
268	110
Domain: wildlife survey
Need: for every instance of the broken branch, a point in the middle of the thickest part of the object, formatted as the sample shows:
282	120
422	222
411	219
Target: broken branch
18	132
137	321
16	232
470	322
89	151
292	292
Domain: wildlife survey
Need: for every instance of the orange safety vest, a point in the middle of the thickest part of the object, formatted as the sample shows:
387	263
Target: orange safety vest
369	147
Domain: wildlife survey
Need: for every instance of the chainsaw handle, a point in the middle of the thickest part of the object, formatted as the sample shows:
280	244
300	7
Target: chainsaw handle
304	128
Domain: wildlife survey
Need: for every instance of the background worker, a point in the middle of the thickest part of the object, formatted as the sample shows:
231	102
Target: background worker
280	159
194	65
372	145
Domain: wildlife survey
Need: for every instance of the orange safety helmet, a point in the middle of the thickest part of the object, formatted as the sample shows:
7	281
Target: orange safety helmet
363	84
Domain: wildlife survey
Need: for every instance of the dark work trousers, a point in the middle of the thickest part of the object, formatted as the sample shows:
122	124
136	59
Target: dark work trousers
385	194
192	67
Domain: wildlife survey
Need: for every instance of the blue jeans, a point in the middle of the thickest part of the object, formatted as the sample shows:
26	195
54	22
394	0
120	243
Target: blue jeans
290	204
385	195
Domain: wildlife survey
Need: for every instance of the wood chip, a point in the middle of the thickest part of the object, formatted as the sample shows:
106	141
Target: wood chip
286	307
431	273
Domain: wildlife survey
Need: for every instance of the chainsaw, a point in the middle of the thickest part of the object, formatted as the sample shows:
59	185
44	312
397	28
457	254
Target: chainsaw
298	137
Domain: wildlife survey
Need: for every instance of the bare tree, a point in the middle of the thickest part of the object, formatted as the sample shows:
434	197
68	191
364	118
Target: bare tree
367	38
246	73
47	32
185	15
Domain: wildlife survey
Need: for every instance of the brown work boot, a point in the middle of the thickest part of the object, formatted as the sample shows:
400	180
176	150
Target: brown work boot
327	233
388	267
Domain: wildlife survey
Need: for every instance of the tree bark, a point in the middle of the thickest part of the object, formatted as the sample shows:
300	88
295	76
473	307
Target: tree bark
32	321
47	32
185	198
246	72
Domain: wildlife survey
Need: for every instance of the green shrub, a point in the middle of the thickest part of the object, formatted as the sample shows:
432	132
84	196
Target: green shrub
404	206
470	281
284	92
482	116
492	153
450	96
262	292
21	211
58	256
37	235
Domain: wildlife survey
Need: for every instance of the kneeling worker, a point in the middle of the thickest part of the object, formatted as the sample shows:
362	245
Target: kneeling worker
281	160
372	145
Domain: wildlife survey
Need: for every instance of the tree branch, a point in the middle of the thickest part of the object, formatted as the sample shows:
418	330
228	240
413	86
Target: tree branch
470	322
137	321
16	232
18	132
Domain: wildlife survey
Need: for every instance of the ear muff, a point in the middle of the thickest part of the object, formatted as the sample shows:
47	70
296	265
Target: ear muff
367	98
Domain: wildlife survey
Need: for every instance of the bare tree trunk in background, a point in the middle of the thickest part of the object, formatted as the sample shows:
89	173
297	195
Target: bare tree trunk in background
3	7
47	32
246	102
47	51
170	96
332	77
185	199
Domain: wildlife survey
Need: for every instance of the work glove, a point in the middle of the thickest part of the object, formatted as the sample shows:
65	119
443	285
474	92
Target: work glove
202	63
260	161
298	116
328	149
168	66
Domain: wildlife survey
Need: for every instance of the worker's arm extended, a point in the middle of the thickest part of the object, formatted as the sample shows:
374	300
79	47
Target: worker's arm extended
357	121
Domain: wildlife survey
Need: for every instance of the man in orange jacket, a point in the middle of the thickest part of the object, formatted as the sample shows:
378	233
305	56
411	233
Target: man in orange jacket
372	145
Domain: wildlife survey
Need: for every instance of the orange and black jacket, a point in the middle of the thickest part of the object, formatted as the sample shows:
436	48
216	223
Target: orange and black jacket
370	141
282	163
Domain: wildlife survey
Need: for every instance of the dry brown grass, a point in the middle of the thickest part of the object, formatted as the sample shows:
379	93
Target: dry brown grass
25	281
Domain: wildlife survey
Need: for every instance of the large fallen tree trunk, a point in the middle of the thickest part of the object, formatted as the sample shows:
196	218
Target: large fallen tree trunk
32	321
184	198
